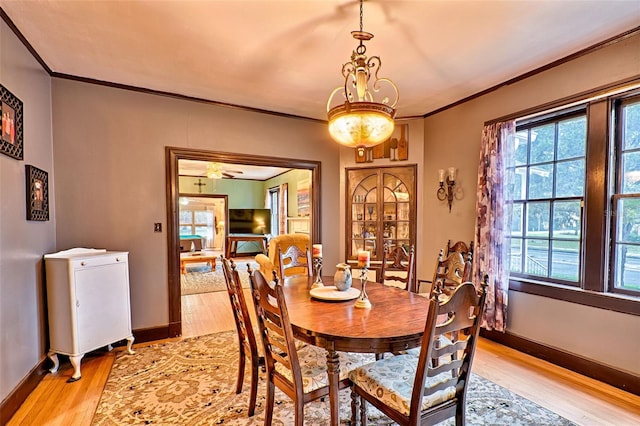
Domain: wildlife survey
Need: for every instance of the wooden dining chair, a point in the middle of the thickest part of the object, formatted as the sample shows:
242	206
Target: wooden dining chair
450	272
246	337
440	373
398	267
295	261
300	374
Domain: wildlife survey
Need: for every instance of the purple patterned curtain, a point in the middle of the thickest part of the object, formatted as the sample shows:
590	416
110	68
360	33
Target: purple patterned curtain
493	216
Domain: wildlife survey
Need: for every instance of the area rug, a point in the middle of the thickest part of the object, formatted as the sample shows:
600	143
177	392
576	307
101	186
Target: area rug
192	382
201	279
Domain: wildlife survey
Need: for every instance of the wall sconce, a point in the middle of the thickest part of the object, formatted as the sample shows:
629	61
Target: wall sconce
448	193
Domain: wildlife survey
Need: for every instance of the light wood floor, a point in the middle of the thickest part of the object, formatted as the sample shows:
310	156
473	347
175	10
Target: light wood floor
575	397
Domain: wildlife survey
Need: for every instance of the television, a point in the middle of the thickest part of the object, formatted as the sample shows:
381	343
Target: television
249	221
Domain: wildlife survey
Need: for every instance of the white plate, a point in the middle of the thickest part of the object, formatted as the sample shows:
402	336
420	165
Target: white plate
332	293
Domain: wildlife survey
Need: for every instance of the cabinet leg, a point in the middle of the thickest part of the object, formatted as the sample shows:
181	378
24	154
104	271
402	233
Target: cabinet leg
75	362
129	344
54	357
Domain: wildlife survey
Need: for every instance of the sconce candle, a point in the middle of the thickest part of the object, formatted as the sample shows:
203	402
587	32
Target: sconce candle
364	258
317	250
447	192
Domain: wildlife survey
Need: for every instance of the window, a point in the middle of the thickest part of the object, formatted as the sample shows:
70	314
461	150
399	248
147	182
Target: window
548	172
625	271
575	184
274	205
198	221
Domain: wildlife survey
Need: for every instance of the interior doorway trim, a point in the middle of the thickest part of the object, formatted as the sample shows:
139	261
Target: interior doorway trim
172	155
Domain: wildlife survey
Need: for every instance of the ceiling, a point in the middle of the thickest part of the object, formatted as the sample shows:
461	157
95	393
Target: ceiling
285	56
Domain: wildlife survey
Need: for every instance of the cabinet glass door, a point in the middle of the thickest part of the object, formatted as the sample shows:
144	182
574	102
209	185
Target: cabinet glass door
380	209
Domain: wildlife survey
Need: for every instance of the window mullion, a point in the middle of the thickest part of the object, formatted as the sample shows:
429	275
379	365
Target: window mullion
596	235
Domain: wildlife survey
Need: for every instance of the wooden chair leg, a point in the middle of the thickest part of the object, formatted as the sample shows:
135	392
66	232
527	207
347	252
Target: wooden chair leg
254	387
460	413
354	406
363	411
241	362
268	410
299	413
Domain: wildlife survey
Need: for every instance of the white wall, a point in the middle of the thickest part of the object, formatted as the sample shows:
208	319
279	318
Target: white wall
452	137
109	155
22	242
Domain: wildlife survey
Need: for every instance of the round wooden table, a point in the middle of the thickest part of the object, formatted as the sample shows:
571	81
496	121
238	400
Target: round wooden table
396	321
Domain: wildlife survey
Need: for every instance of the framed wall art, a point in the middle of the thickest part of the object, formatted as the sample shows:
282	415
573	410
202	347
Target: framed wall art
304	200
37	193
11	127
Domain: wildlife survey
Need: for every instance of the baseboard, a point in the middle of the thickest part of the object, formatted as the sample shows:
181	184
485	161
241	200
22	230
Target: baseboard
14	400
142	335
620	379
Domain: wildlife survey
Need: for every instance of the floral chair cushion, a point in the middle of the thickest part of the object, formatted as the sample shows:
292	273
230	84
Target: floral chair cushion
313	364
391	381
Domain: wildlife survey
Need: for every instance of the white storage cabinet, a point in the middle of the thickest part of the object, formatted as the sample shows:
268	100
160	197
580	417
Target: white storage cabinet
88	302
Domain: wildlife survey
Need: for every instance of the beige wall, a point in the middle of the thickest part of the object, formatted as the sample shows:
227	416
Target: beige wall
22	242
109	156
453	138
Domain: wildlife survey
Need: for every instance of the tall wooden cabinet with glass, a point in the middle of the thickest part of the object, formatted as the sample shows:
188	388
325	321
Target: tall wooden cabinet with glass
381	209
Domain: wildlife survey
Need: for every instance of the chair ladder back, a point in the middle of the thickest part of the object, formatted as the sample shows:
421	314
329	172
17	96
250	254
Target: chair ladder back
241	316
294	257
395	260
275	327
246	337
448	347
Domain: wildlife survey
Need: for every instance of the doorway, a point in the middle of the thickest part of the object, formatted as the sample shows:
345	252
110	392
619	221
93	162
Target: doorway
172	157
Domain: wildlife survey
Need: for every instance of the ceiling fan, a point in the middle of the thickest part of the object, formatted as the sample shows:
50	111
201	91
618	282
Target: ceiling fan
217	171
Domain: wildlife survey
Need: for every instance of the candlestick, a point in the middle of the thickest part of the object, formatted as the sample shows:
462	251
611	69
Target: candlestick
317	250
363	299
317	267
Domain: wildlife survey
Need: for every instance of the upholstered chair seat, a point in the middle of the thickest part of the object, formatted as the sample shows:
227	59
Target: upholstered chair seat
313	365
391	381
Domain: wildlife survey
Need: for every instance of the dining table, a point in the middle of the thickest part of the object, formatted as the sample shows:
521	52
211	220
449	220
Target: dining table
394	322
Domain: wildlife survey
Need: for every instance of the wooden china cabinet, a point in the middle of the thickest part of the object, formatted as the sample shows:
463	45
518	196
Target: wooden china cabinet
381	209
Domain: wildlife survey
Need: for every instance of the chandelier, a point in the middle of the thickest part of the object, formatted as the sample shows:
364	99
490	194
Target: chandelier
360	121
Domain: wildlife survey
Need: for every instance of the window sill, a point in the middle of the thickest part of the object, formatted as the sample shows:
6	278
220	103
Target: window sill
610	301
